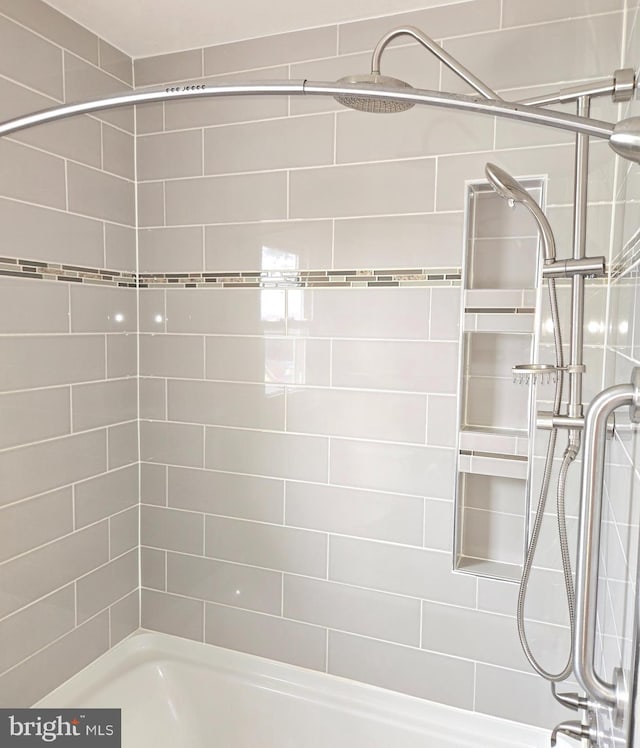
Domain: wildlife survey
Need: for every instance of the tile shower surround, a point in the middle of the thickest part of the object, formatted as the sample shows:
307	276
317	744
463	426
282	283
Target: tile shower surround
68	377
296	443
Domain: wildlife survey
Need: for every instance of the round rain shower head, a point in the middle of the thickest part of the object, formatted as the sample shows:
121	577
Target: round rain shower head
374	106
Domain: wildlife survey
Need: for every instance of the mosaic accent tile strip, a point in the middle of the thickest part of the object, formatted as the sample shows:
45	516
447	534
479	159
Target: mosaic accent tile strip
251	279
74	273
303	278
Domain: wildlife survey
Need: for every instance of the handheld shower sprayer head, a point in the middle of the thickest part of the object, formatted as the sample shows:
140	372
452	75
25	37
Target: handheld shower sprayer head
505	185
510	189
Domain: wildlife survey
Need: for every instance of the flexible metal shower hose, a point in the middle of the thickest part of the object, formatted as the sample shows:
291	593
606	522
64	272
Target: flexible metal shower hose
569	456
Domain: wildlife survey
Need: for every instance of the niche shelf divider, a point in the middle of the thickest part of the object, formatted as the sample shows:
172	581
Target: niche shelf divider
500	280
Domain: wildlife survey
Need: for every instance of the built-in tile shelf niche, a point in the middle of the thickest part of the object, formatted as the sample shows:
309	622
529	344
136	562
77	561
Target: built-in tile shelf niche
500	280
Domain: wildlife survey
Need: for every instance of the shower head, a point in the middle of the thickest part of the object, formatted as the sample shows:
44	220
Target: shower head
510	189
387	106
374	106
505	185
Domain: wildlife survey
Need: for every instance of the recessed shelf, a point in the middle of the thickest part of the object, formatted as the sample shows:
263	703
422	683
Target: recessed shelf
497	441
492	569
522	322
500	298
500	277
501	466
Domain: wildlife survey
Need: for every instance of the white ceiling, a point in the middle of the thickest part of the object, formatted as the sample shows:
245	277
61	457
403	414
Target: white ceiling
150	27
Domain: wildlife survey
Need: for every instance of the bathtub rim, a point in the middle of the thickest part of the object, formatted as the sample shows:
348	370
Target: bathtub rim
335	692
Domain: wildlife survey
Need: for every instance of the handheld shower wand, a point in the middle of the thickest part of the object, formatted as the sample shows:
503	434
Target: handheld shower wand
510	189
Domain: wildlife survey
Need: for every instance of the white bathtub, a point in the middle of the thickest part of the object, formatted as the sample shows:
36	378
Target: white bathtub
176	693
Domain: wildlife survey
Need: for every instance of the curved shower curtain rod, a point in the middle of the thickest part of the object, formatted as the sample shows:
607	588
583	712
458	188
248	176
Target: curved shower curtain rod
623	137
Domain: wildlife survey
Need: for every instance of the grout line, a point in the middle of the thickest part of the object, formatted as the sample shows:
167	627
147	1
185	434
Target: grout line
63	71
360	635
136	214
165	554
66	184
73	582
61	157
65	634
67	436
315	436
204	533
475	686
328	548
335	138
104	244
102	146
53	43
284	502
108	608
202	153
288	195
67	485
74	523
326	650
424	522
393	160
286	392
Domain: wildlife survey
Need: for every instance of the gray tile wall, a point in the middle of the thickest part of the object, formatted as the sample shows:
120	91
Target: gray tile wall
617	590
68	390
297	444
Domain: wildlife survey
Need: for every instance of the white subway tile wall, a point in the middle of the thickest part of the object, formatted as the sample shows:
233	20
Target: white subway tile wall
68	515
298	443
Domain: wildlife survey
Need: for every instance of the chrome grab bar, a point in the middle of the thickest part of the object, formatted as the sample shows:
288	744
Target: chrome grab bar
595	431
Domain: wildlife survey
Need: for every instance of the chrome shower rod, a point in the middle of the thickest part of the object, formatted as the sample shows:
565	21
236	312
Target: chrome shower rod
522	112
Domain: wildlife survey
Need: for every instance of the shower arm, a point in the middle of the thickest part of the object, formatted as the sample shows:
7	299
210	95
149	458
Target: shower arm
436	50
